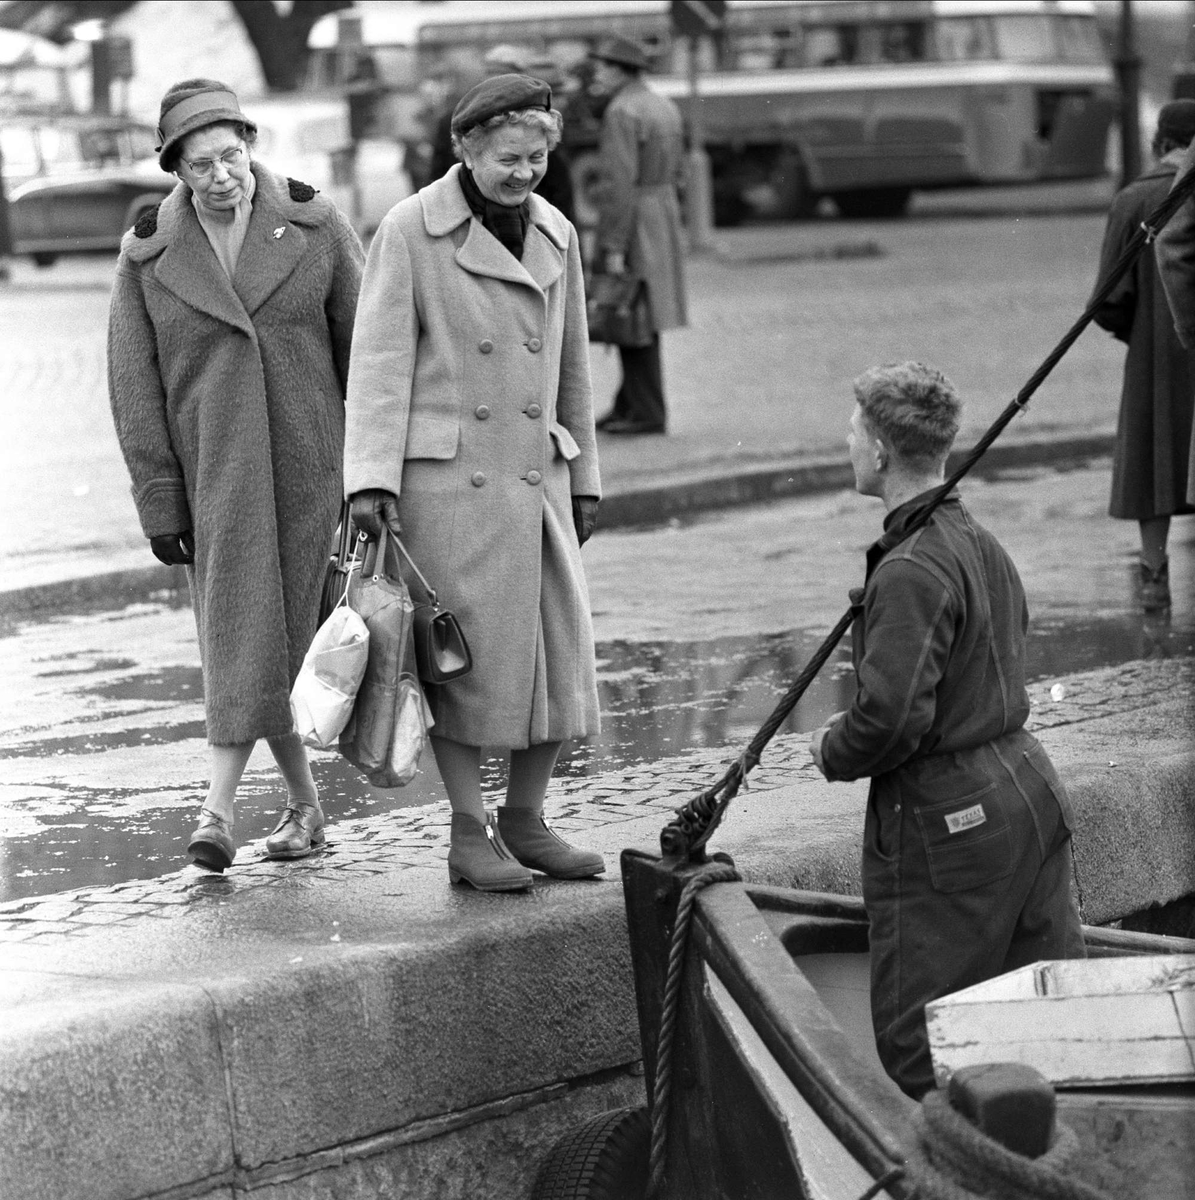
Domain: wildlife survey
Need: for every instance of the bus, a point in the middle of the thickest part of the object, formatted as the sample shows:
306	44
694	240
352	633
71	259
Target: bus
862	101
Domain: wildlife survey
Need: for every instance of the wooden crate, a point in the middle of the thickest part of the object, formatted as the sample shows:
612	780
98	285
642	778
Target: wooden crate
1079	1021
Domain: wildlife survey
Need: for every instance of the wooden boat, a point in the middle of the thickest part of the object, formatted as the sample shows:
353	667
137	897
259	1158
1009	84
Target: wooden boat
775	1086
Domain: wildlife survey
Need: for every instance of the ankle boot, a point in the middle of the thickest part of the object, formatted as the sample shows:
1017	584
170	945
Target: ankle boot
529	839
478	857
211	844
1155	586
299	831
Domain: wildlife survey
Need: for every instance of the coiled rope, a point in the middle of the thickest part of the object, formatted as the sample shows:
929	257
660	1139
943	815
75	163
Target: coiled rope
685	835
661	1099
953	1160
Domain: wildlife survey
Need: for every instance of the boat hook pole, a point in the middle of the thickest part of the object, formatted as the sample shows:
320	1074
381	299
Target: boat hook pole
683	838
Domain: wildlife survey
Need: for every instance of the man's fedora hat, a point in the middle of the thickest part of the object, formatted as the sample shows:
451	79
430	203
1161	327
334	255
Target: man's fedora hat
621	51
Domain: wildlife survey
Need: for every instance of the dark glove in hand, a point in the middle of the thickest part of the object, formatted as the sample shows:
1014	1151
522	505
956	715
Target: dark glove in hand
373	507
585	510
174	549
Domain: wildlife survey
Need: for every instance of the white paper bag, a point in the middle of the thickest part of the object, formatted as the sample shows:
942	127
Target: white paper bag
321	701
412	720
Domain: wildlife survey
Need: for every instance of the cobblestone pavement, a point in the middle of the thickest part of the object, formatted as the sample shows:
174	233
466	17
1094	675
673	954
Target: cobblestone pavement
413	838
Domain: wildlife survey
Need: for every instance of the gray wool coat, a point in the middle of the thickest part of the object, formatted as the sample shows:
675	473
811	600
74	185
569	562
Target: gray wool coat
642	163
228	398
469	398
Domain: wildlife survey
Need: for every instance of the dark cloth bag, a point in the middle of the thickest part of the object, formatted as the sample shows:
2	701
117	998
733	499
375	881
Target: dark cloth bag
618	311
380	597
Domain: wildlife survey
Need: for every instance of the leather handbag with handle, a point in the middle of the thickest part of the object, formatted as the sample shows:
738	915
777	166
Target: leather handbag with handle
339	567
618	311
441	652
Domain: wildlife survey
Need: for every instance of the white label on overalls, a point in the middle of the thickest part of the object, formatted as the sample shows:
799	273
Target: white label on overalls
966	818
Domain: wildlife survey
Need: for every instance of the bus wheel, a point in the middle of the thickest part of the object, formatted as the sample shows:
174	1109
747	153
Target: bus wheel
874	202
45	258
604	1159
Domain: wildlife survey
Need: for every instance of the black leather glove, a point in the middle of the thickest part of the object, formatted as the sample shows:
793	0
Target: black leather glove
174	549
374	507
584	517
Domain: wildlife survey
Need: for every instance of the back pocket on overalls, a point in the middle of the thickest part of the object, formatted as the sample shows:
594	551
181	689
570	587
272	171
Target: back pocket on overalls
967	841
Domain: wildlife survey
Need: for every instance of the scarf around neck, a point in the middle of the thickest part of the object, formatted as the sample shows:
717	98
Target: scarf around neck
507	224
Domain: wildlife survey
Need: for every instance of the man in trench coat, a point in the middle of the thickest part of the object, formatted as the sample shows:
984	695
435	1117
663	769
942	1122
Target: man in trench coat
639	224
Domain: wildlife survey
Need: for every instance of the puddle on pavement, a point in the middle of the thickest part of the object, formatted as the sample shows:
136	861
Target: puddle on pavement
659	699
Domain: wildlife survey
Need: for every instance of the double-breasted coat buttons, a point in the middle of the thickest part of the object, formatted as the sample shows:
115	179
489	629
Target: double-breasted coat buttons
534	478
478	479
482	412
535	345
533	410
486	346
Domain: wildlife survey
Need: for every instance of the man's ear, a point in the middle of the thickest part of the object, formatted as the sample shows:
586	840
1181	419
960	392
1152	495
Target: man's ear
881	454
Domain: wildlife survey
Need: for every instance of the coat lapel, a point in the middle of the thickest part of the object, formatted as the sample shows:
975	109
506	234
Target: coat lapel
188	265
268	257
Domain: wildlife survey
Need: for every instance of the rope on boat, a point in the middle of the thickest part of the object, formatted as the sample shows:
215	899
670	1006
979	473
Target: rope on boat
684	836
661	1100
953	1160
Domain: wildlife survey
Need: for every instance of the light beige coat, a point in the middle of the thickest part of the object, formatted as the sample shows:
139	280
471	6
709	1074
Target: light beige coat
642	164
469	399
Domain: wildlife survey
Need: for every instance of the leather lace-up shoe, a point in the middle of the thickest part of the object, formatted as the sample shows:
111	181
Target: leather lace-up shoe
298	833
478	857
1154	586
211	844
529	839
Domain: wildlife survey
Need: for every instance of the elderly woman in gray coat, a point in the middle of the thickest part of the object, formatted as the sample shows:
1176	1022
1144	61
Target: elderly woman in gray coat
228	347
470	430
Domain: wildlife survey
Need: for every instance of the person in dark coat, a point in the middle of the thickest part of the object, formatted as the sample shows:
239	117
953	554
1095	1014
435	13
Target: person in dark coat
641	153
967	838
470	433
1150	467
228	351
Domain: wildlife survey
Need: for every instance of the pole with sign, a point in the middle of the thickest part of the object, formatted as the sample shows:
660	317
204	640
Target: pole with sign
695	20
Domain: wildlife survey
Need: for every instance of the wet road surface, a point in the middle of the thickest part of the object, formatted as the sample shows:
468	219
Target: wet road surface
700	626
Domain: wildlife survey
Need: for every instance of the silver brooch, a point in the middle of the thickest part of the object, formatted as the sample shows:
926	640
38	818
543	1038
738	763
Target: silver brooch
279	231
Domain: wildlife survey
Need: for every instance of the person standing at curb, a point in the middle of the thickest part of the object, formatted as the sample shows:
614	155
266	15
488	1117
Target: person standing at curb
470	433
1150	467
639	223
967	838
228	350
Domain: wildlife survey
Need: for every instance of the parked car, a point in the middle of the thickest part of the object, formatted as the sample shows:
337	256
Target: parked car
76	183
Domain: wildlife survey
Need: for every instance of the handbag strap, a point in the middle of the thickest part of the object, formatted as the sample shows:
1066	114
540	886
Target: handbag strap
346	535
379	556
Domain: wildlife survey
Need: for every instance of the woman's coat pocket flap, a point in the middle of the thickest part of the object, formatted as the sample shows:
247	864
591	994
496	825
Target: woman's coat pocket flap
432	437
564	442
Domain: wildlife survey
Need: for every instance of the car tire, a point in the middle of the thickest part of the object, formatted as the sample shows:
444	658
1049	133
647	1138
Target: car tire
45	258
606	1158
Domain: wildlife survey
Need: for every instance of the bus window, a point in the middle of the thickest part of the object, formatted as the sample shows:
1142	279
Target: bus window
831	45
1079	40
1024	38
964	39
899	42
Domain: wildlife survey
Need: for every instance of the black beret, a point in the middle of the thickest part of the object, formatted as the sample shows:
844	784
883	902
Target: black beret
1176	121
499	94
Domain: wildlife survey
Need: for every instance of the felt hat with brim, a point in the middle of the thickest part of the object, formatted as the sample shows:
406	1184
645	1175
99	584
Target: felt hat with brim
499	94
622	51
1176	121
192	105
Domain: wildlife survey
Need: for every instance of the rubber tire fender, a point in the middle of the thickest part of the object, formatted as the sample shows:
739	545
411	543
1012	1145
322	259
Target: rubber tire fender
606	1158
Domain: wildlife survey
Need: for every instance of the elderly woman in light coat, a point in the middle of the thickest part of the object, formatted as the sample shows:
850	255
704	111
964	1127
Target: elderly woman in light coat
228	346
470	431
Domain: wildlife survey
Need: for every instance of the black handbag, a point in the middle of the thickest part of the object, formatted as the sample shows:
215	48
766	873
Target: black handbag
441	652
618	311
339	566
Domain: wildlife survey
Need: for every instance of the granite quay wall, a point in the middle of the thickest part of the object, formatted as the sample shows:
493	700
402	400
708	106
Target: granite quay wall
349	1026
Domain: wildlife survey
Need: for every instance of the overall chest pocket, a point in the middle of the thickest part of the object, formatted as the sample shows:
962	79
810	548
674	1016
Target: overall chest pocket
967	840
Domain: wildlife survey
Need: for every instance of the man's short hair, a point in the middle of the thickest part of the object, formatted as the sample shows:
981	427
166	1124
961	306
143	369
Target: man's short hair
912	408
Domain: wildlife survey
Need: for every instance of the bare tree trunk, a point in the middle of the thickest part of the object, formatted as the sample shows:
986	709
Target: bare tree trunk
281	41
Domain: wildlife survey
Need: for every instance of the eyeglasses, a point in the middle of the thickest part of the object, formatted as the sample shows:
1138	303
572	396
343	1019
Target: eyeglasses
230	158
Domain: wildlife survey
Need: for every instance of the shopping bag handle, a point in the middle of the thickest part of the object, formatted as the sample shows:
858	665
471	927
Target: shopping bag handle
380	556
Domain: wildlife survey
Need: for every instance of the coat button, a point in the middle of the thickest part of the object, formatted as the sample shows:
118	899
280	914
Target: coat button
533	411
535	345
482	412
534	478
485	346
479	479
